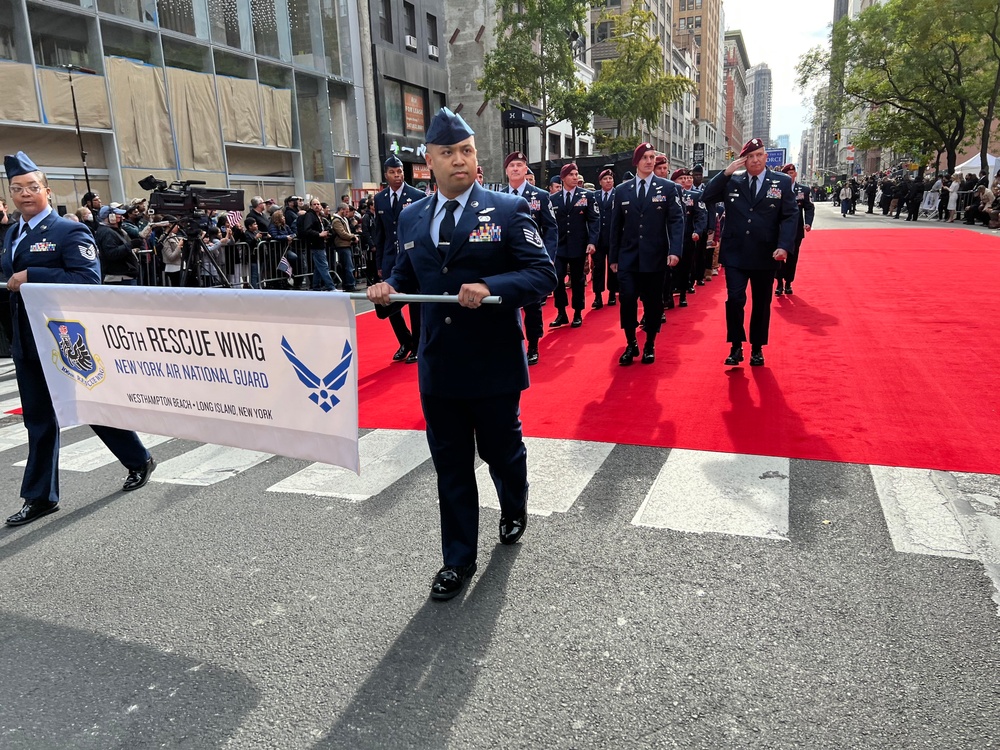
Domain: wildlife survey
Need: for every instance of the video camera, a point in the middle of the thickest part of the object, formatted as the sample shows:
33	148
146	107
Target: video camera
190	205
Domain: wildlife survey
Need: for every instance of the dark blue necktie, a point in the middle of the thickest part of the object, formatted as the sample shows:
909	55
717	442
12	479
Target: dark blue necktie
642	191
448	222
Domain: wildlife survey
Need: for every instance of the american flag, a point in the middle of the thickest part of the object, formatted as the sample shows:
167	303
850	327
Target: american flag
235	218
285	267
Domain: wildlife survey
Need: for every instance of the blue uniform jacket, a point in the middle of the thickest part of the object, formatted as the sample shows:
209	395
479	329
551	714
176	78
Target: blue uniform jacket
694	213
541	212
642	236
579	224
807	209
754	227
385	225
57	251
479	353
604	205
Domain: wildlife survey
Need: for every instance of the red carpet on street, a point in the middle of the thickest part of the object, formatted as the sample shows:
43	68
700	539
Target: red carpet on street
887	353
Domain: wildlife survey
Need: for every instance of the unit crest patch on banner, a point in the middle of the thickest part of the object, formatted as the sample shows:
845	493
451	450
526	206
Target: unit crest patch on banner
73	357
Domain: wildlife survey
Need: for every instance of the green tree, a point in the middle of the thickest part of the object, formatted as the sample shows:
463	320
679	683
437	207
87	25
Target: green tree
532	63
575	105
633	88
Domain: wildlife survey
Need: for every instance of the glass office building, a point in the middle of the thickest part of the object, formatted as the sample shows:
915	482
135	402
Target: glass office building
262	95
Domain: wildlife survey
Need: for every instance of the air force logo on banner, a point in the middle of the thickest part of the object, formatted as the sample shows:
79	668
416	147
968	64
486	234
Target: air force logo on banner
73	357
322	388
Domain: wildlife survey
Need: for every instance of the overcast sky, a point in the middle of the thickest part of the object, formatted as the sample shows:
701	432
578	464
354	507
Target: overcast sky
778	32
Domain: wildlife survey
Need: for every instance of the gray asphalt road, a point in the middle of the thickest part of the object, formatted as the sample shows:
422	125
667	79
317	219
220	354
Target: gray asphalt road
235	615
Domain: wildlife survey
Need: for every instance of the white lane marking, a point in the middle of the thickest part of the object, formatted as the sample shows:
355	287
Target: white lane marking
386	457
92	453
724	493
8	386
11	405
206	465
13	436
918	514
558	471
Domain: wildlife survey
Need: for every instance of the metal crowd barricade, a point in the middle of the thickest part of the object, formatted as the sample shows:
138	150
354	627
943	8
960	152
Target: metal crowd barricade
236	263
147	268
269	254
965	199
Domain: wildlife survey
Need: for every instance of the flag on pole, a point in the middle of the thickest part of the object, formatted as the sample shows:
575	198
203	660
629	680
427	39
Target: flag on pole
285	267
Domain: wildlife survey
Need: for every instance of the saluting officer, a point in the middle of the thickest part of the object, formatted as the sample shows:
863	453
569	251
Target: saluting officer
46	248
472	242
696	220
579	221
604	277
759	229
388	205
807	211
516	168
647	237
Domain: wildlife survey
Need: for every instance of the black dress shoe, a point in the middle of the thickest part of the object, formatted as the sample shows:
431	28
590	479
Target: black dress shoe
663	318
700	282
669	304
401	353
138	477
756	358
682	303
450	580
560	321
630	353
511	529
532	354
735	355
612	300
691	289
648	354
788	288
598	303
642	322
577	320
779	291
31	512
411	357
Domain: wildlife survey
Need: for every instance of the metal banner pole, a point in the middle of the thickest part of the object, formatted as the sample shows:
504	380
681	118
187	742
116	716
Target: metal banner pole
453	298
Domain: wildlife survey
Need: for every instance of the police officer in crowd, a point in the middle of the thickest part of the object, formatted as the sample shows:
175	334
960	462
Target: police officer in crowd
696	221
579	221
389	203
807	210
761	218
647	236
46	248
474	243
603	277
516	168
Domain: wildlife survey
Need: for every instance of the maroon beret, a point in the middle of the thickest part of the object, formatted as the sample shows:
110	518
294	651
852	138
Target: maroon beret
682	172
660	159
641	149
605	172
789	168
479	170
752	145
567	168
516	156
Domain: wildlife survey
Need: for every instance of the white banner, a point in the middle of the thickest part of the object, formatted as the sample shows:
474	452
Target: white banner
268	371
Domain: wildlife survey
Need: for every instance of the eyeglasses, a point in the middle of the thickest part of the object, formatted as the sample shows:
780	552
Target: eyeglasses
18	189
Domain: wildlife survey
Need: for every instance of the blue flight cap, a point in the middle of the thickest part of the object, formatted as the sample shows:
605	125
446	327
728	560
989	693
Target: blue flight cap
392	162
18	164
555	180
447	129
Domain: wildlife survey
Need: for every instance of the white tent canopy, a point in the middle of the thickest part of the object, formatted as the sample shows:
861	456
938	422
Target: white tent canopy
972	165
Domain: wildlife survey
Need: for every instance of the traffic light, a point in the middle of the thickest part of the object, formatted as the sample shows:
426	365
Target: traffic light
836	137
730	154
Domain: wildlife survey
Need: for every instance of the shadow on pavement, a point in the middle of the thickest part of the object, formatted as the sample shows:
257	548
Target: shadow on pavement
68	688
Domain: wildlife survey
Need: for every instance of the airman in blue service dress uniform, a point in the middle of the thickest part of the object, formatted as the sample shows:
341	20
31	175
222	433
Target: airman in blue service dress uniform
647	237
389	203
472	242
696	222
46	248
761	217
579	222
516	168
603	277
807	212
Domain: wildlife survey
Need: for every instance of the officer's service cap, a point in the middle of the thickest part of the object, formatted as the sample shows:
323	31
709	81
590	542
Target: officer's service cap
567	168
529	171
516	156
789	168
660	159
18	164
604	173
392	162
641	149
682	172
106	211
754	144
447	129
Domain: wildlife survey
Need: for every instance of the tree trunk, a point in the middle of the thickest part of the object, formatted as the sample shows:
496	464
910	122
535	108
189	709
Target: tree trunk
988	125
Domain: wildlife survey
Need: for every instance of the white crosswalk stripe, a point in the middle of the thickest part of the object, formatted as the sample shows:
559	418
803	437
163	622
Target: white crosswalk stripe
8	386
92	453
10	405
207	464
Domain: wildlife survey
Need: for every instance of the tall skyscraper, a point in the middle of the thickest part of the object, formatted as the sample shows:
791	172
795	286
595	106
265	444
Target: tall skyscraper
758	102
736	65
702	20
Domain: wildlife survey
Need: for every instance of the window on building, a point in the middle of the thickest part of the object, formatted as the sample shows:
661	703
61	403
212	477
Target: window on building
602	32
612	3
136	11
432	30
60	39
555	143
697	22
236	66
265	28
385	20
301	24
697	4
683	6
176	15
178	54
392	98
13	36
584	148
697	39
682	23
337	45
414	111
410	26
224	22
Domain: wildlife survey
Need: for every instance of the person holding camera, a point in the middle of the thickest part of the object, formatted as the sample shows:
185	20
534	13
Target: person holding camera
119	264
311	231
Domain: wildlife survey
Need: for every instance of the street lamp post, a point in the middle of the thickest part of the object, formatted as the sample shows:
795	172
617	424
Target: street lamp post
76	117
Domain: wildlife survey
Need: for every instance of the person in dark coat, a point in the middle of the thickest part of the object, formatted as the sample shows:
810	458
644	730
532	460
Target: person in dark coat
309	229
914	198
761	219
473	243
807	212
579	222
49	249
119	263
696	224
603	277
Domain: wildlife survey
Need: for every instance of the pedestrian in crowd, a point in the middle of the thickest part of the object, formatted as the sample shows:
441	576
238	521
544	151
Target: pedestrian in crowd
310	230
119	264
579	223
92	202
944	196
472	366
984	179
367	207
515	166
211	255
172	252
760	229
871	190
647	236
888	189
703	261
84	216
293	210
785	273
845	200
530	177
914	198
479	175
343	242
953	190
603	277
980	206
696	223
901	194
662	167
555	184
389	204
46	248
